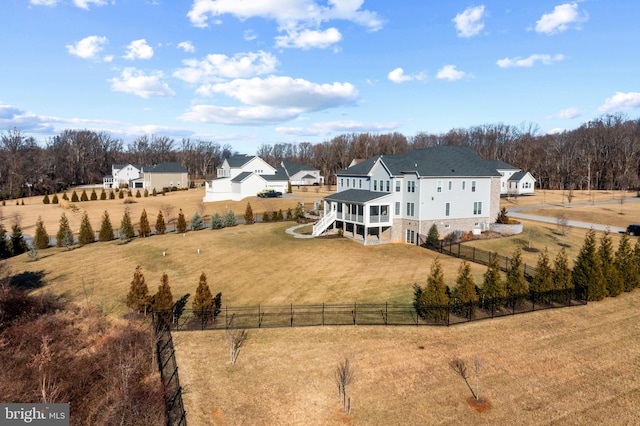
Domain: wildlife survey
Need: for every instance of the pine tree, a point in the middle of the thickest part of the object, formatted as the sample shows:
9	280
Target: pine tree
146	193
161	228
126	227
614	284
120	194
230	219
138	297
464	294
46	199
203	304
299	211
55	200
18	244
266	217
129	193
433	238
5	250
112	195
86	231
217	222
94	196
83	196
65	197
289	214
41	238
64	237
561	278
163	301
493	288
74	197
181	226
516	286
625	264
197	222
248	215
587	272
103	195
145	228
154	192
542	283
138	195
279	216
636	259
434	299
106	230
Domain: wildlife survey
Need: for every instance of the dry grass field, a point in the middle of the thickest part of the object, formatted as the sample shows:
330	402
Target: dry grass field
567	366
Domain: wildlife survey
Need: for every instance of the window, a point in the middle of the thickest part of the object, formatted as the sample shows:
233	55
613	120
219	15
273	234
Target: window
397	208
381	185
463	184
450	185
447	208
473	186
477	207
354	182
410	209
375	185
411	236
388	186
347	183
411	186
397	186
439	186
359	183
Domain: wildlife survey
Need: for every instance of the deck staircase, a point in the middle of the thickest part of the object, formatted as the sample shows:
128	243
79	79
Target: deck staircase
322	225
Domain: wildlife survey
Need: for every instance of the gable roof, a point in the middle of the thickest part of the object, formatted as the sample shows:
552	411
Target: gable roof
441	160
501	165
242	176
167	168
518	176
280	175
356	196
237	161
291	167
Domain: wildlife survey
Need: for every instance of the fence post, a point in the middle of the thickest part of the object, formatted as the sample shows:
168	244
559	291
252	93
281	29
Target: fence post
259	318
292	315
354	312
459	244
323	313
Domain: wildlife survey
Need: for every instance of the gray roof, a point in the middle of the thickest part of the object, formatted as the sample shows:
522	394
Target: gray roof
237	161
442	160
356	196
518	176
167	168
292	167
280	175
242	176
501	165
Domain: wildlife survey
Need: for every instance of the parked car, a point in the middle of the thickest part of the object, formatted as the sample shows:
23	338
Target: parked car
633	229
269	193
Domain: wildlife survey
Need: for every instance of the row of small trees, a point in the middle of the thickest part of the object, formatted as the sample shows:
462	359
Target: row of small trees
112	195
599	271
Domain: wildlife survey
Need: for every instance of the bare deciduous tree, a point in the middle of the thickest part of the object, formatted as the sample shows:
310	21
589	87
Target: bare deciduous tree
460	368
236	339
343	376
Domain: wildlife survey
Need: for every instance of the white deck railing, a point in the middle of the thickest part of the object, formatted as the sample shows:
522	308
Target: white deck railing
324	223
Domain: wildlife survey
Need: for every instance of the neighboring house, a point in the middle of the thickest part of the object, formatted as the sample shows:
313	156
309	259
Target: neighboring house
514	181
163	175
242	176
398	198
300	174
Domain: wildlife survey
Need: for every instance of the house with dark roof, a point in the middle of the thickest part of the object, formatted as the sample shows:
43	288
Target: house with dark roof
301	174
397	198
121	175
514	181
163	175
242	176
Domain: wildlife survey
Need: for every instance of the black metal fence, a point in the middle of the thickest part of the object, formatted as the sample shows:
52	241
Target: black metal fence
377	314
176	414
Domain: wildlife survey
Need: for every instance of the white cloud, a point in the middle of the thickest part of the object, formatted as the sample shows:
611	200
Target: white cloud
529	61
248	116
14	117
398	76
139	49
88	47
329	127
567	113
449	72
562	17
621	100
555	131
469	22
187	46
307	39
84	4
44	2
250	35
136	82
215	67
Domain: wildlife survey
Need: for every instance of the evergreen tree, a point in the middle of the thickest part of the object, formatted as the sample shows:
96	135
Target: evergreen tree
203	304
146	193
86	231
614	284
493	288
120	194
636	259
74	197
65	197
83	196
5	250
248	215
230	219
145	228
126	227
112	195
289	190
289	214
161	228
103	195
464	294
542	283
154	192
516	286
561	278
587	272
217	222
138	195
64	237
41	238
18	244
138	297
46	199
266	217
299	212
129	193
163	301
625	264
433	238
55	200
94	196
106	230
197	222
181	226
433	299
279	216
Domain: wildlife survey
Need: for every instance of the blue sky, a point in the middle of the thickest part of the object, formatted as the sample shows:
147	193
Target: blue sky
252	72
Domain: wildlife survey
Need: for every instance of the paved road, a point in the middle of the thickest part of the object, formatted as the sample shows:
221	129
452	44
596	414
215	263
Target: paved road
515	212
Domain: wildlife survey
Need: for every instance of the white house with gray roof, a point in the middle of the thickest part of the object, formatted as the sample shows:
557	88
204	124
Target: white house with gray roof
242	176
302	174
163	175
514	181
397	198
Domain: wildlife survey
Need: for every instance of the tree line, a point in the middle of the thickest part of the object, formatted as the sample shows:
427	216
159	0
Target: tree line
601	154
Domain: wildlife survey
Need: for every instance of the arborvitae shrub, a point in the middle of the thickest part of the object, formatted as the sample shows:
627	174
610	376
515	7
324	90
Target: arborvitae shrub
248	215
74	197
106	230
154	192
84	196
94	196
181	226
129	193
121	194
266	217
65	197
54	199
146	192
138	195
112	195
41	238
103	195
161	228
46	199
145	228
86	231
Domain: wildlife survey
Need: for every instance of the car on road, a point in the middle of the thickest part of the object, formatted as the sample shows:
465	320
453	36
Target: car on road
269	193
633	229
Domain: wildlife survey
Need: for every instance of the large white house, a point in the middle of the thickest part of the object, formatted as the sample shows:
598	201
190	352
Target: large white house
398	198
302	174
514	181
163	175
242	176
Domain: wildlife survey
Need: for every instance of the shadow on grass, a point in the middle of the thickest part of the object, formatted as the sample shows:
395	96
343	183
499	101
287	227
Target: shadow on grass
27	281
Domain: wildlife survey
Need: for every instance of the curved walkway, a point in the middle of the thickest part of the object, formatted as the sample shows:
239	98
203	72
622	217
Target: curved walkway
293	229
